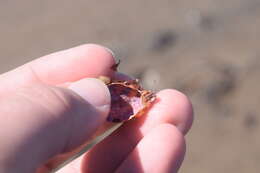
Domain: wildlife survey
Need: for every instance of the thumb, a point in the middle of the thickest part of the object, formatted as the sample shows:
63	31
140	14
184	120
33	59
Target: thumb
42	121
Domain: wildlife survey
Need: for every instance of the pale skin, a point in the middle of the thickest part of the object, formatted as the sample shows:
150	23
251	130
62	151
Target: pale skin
49	106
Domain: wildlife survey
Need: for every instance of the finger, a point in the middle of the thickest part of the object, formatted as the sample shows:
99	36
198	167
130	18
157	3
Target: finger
171	107
161	150
65	66
43	121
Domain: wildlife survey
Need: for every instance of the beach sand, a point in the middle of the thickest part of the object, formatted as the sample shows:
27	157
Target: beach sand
208	49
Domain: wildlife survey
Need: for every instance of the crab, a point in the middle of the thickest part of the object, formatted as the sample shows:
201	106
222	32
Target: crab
128	99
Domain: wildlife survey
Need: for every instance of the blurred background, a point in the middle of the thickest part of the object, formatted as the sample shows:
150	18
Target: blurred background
208	49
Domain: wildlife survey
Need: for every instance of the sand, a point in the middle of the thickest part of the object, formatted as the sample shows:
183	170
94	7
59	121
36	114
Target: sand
208	49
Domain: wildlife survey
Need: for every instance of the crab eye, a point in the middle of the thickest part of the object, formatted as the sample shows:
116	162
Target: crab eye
126	83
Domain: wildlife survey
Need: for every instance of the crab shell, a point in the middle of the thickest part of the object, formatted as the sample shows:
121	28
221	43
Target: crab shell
128	99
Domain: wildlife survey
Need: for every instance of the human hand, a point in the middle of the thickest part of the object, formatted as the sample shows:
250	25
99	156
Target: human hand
49	107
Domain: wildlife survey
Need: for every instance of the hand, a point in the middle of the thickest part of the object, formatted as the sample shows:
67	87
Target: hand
50	106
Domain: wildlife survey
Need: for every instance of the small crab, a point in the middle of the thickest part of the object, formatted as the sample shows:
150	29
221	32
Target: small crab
128	99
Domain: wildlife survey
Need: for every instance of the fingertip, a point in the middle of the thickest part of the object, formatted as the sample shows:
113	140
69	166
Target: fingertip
179	106
101	50
172	140
171	134
170	143
161	150
88	60
104	58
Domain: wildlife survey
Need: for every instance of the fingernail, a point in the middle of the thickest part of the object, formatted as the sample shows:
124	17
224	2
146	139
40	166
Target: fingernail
93	91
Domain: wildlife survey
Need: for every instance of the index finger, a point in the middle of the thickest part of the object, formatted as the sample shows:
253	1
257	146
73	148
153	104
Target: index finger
70	65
